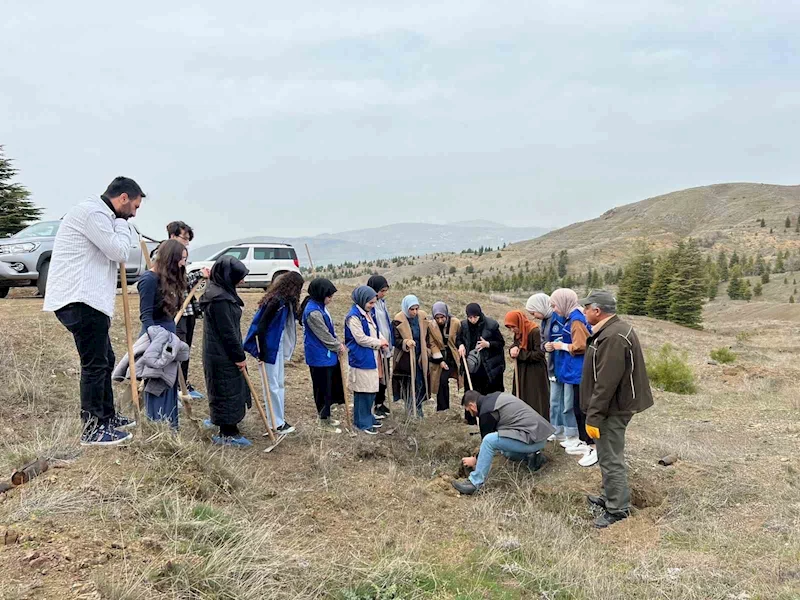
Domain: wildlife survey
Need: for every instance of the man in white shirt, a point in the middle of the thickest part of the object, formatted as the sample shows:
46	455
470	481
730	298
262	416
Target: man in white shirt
94	237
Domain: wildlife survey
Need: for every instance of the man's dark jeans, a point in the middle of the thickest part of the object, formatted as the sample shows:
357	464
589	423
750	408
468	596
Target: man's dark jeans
90	328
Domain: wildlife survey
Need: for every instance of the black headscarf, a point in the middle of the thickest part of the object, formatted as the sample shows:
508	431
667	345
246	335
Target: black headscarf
474	310
474	331
319	289
225	274
377	282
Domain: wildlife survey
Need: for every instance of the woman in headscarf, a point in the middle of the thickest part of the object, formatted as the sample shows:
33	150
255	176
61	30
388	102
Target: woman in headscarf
539	308
363	348
569	335
383	321
444	354
272	338
322	351
224	360
531	363
411	334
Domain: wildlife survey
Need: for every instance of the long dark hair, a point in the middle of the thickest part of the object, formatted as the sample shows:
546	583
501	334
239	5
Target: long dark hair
171	277
286	287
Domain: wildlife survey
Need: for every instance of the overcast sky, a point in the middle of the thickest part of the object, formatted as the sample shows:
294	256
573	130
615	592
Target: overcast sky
265	118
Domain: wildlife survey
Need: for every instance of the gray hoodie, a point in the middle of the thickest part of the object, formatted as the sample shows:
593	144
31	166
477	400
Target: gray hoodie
158	354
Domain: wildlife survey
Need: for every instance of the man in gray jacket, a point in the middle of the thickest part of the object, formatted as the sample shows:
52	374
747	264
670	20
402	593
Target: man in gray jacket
509	426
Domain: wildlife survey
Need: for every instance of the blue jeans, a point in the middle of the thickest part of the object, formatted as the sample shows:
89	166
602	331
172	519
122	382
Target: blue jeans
362	410
562	412
511	449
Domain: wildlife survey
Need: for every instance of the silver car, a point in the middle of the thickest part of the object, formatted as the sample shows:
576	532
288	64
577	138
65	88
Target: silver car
25	256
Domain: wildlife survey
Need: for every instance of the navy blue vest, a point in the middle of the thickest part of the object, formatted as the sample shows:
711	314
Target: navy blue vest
317	355
359	357
272	339
568	367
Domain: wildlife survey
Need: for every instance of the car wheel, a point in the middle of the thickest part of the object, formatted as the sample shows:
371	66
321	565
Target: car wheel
41	282
4	292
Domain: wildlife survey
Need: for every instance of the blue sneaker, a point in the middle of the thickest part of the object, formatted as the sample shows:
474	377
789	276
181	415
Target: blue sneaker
105	436
121	422
195	394
208	424
241	441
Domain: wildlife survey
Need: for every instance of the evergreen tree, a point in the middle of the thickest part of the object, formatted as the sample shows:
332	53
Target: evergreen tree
758	289
788	223
658	298
779	266
765	277
791	299
687	288
635	285
563	261
760	266
763	223
735	285
722	265
16	210
734	259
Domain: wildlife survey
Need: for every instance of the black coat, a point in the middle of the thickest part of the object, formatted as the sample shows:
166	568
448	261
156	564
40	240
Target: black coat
228	394
493	358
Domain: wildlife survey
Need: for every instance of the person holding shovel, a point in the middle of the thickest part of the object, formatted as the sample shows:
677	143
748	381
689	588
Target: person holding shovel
224	360
380	314
444	354
363	348
323	351
411	355
272	338
94	237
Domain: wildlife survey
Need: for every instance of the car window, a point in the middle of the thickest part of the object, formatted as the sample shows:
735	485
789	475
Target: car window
285	253
48	228
274	253
240	253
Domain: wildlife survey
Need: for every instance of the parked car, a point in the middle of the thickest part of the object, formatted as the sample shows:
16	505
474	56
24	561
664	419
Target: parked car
25	256
265	262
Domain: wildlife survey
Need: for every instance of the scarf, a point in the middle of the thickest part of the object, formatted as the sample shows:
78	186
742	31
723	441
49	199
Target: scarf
539	303
564	301
225	274
440	308
408	303
363	294
516	318
377	282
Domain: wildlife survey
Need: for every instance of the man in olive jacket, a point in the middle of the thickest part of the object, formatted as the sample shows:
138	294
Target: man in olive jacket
614	387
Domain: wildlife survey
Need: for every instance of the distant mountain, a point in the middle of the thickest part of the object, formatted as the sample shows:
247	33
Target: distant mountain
401	239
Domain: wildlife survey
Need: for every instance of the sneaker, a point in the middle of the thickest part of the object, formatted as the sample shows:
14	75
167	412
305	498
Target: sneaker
551	438
377	425
121	422
208	424
465	487
241	441
596	501
105	436
335	422
195	395
381	409
570	441
379	416
327	425
372	431
578	449
590	458
607	519
285	428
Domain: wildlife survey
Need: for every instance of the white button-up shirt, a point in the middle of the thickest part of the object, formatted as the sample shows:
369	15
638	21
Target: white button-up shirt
89	244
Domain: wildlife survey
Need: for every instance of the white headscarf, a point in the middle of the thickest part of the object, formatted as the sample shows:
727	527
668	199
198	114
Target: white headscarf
539	303
409	302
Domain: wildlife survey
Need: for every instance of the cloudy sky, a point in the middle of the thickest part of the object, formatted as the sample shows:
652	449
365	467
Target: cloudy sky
264	118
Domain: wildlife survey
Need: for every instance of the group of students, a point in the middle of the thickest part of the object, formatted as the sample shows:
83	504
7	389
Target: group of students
408	354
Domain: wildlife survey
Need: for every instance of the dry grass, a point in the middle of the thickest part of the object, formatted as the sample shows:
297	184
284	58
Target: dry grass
327	516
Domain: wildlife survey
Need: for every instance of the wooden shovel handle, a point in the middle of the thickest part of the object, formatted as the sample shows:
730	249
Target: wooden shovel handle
126	312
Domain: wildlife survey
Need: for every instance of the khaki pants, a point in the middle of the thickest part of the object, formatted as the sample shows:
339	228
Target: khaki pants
611	456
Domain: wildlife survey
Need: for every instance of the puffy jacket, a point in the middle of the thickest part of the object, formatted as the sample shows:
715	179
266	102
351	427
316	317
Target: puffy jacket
614	378
568	368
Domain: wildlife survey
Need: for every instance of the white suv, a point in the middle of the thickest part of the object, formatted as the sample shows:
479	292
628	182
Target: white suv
265	262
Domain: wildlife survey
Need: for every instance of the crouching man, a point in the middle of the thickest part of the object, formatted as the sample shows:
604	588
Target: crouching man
508	426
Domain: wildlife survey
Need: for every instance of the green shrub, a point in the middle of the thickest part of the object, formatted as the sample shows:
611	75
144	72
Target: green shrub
668	370
723	355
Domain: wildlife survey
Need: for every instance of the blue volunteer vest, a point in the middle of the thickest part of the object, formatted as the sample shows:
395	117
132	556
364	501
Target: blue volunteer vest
359	357
568	368
317	355
272	340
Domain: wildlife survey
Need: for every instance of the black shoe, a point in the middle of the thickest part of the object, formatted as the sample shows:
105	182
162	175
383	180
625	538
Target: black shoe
381	410
285	428
121	422
466	487
536	461
608	518
596	501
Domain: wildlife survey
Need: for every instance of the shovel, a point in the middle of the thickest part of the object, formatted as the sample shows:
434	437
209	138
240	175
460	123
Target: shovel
266	396
516	379
342	358
126	310
263	414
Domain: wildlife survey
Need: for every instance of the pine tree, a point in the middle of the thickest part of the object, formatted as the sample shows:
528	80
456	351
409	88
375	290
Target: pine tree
735	285
788	223
687	288
16	211
722	265
765	277
758	289
635	284
734	260
791	301
658	298
760	266
763	223
779	266
563	261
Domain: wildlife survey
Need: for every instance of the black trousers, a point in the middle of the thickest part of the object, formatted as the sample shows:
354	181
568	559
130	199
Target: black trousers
185	331
89	327
328	389
443	393
580	417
